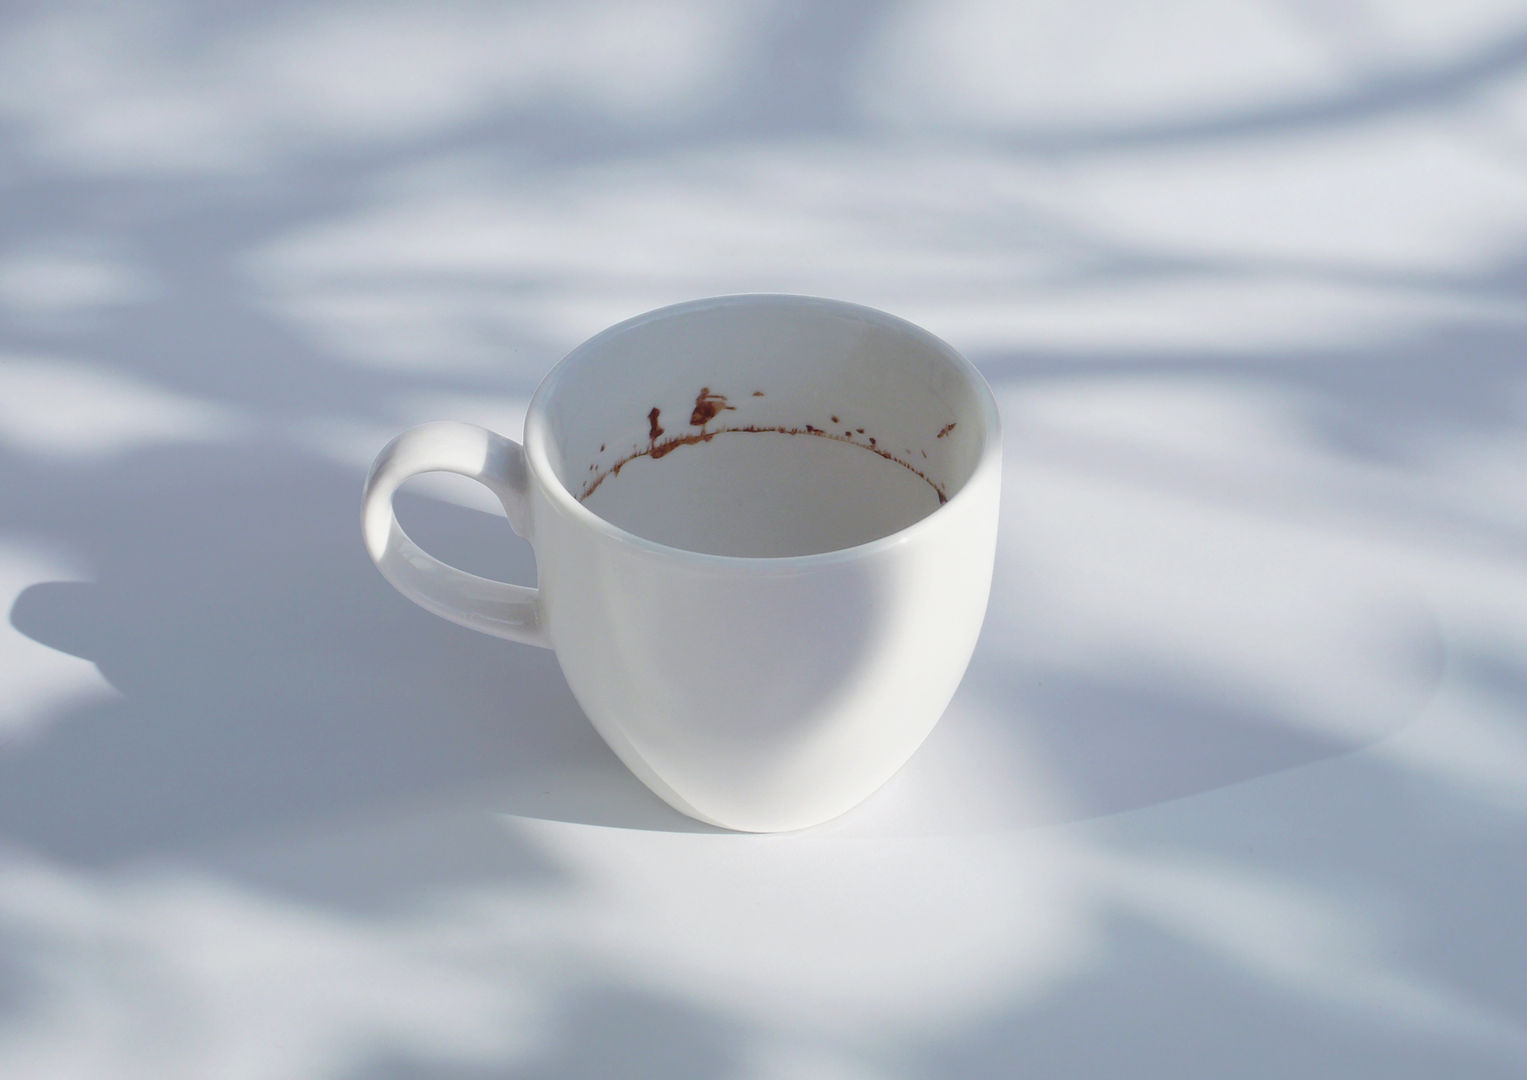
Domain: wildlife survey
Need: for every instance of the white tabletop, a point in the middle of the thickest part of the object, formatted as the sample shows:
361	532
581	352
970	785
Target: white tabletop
1237	783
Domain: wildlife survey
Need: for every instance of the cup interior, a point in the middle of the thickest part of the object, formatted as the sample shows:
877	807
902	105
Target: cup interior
768	426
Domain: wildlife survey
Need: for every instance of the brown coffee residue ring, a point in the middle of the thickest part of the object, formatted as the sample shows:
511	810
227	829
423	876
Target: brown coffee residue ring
708	405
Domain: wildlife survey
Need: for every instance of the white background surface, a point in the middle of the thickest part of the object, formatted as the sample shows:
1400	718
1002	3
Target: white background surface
1237	783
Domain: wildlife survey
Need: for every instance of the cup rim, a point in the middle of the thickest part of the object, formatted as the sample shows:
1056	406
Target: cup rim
538	435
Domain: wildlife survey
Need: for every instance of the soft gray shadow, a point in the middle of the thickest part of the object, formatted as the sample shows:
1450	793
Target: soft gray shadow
270	678
1030	743
1162	1007
1134	738
595	1034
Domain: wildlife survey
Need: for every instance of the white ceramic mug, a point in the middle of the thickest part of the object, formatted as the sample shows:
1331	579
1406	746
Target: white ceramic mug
764	530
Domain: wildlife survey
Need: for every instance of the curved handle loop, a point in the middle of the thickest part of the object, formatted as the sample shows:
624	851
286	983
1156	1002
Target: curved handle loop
494	607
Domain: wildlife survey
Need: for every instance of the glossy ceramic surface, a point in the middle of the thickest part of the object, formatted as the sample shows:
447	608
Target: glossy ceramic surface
752	670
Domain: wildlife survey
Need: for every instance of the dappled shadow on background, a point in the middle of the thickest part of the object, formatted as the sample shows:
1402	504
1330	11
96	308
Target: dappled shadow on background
269	276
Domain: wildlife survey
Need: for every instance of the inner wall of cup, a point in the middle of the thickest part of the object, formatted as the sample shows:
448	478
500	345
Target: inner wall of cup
775	427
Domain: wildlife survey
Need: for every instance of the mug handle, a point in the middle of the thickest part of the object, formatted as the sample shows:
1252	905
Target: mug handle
494	607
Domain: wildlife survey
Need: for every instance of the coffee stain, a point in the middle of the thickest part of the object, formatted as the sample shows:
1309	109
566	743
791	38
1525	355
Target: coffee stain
708	405
945	430
663	449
